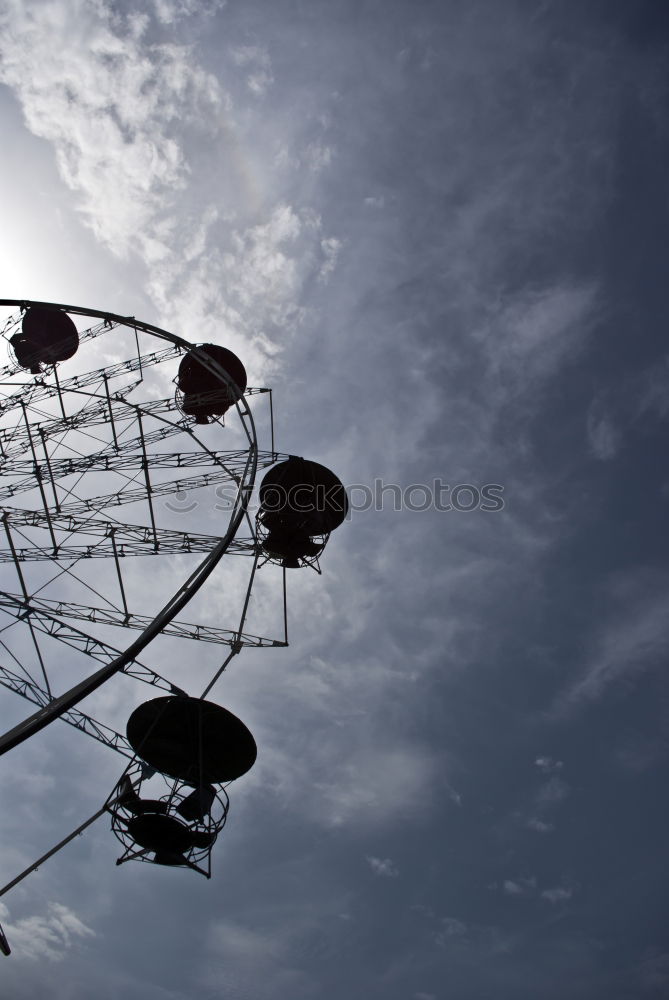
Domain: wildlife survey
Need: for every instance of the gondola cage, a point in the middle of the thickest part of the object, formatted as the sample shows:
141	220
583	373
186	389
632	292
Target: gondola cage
301	503
170	804
47	336
201	393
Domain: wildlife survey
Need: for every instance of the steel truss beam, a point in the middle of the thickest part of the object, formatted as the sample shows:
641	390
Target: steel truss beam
123	539
113	461
75	508
112	616
232	471
89	334
97	412
14	440
240	546
38	696
97	649
40	389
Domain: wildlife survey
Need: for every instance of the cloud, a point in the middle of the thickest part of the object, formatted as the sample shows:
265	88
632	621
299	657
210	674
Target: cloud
455	796
633	401
256	60
111	105
46	937
540	825
652	390
560	894
138	127
383	867
633	637
172	11
538	330
555	790
246	291
603	436
520	886
548	765
654	971
545	799
280	943
331	249
364	786
528	887
450	929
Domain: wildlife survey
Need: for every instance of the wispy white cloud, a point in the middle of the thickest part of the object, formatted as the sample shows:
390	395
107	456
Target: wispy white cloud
559	894
542	803
48	936
538	330
266	951
450	929
652	390
331	248
654	971
633	637
172	11
384	867
365	787
555	790
519	886
634	400
548	765
248	294
137	127
528	886
111	104
603	436
540	825
455	796
256	61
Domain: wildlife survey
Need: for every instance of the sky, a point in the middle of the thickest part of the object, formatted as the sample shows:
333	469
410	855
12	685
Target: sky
438	231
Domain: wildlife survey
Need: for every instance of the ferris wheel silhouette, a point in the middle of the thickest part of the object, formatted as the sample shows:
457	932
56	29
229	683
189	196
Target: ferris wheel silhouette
102	417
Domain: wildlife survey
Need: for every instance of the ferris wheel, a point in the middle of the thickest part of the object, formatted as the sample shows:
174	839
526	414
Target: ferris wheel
110	431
